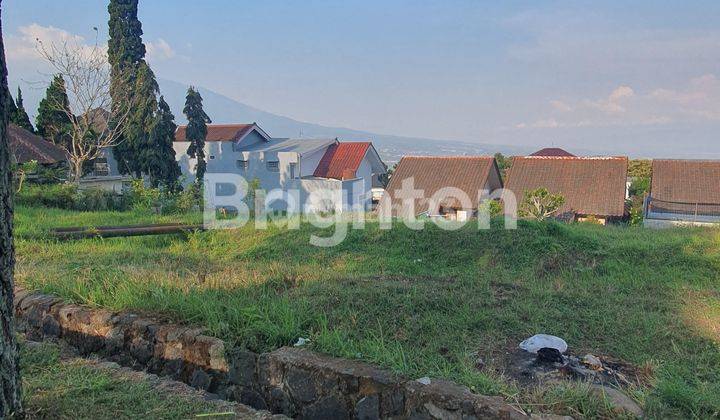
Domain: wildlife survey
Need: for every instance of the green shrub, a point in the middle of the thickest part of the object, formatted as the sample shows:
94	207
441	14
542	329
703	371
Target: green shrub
62	196
640	187
95	199
139	197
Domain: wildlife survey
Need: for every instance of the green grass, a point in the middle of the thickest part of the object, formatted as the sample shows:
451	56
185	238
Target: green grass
37	221
422	302
73	390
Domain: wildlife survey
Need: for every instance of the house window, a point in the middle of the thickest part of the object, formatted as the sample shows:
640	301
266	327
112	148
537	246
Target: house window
242	164
292	170
101	167
273	166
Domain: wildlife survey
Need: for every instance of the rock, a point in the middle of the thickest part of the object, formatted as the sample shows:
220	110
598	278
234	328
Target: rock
50	326
368	408
593	362
280	402
392	402
242	367
200	380
141	349
301	385
618	399
436	412
252	398
329	408
425	380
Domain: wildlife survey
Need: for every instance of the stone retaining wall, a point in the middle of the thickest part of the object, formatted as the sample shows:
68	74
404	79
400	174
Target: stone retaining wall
290	381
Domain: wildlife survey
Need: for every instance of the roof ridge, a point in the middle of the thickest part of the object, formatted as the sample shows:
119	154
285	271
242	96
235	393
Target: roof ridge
572	157
449	157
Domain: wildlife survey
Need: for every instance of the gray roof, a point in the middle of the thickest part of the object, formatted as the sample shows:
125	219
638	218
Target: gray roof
300	146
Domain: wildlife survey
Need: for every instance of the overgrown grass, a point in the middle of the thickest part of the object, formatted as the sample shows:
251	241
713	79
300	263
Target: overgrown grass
73	390
422	302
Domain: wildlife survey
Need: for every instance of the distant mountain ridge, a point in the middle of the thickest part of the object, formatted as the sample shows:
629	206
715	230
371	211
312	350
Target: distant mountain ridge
226	110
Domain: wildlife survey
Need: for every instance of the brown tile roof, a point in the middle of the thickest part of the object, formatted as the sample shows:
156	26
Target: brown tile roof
591	186
431	173
553	151
27	146
342	160
218	132
677	185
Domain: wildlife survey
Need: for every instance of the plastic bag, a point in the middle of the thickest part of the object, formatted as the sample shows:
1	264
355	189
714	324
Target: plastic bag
538	341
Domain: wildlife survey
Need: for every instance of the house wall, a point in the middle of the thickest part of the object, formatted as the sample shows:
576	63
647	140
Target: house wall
310	162
112	162
221	158
251	138
493	183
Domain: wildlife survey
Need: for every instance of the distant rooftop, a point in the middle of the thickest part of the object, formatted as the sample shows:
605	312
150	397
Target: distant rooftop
218	132
553	151
290	145
26	146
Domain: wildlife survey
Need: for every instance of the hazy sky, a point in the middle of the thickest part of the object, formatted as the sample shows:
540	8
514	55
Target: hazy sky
515	72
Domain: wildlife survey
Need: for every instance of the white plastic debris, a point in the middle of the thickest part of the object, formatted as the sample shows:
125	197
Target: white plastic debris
538	341
301	341
424	380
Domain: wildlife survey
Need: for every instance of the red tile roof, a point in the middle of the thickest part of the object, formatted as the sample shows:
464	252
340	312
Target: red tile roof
218	132
342	160
677	185
470	174
590	185
552	151
26	146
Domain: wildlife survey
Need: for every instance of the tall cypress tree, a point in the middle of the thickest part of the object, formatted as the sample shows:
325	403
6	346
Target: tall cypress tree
140	121
52	123
132	84
20	116
196	131
164	170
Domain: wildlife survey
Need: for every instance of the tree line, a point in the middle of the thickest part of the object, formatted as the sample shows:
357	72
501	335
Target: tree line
109	101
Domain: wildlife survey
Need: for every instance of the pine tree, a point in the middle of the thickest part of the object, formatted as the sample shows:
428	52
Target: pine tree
10	397
163	169
196	131
52	122
133	84
20	116
138	124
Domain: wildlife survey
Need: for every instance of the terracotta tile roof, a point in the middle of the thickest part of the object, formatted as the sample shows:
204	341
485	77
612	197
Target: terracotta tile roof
27	146
218	132
684	183
342	160
553	151
431	173
590	185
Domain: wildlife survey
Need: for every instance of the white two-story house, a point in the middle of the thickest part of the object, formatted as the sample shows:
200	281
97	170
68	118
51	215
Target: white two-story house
324	174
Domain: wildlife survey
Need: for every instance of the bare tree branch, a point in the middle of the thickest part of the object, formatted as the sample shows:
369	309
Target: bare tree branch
95	125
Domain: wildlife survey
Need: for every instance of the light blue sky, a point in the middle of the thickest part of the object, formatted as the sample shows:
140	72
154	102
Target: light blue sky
567	73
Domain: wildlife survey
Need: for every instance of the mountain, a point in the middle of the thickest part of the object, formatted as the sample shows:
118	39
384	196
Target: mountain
222	109
226	110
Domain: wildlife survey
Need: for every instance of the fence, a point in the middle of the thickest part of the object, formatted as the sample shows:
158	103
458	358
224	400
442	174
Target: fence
681	210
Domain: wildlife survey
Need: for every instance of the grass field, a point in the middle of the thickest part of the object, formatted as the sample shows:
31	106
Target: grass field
421	302
56	389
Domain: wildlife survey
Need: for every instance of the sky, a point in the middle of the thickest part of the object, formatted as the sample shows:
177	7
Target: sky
635	77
